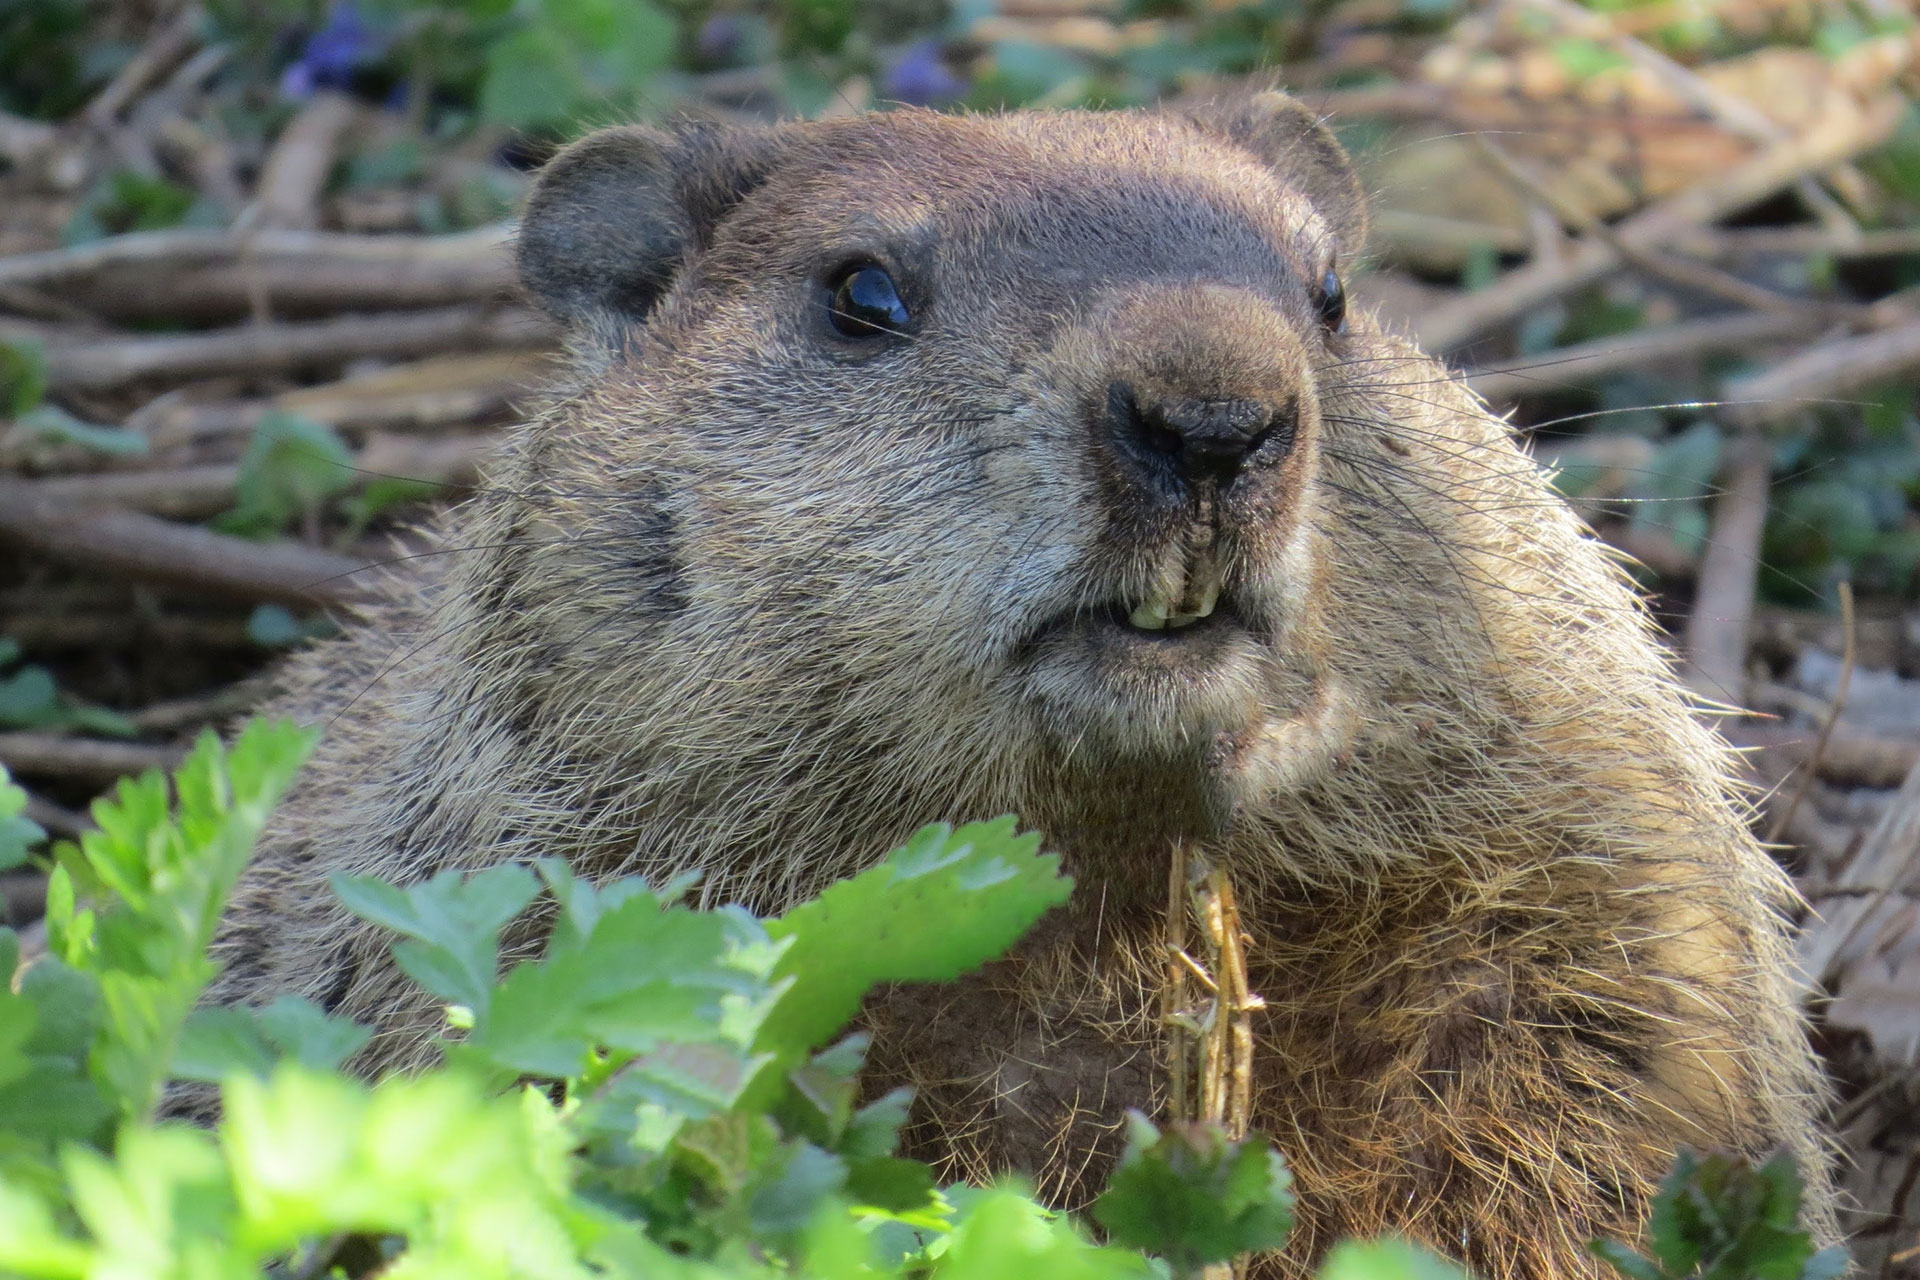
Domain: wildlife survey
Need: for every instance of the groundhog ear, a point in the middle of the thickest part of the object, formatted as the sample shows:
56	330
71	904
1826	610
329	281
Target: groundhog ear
1289	137
616	216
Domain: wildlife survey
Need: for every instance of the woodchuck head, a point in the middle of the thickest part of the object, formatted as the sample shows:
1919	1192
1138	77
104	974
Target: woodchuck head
1011	431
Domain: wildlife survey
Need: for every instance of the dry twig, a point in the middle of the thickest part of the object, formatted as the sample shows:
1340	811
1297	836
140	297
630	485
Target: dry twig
288	194
284	348
1825	371
196	274
1579	364
1716	641
1701	276
142	547
49	755
1447	327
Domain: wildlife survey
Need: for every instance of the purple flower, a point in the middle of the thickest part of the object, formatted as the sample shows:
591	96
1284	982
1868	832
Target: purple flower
921	77
332	54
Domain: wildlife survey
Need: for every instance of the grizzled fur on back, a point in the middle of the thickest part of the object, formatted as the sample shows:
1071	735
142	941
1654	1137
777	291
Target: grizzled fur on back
760	596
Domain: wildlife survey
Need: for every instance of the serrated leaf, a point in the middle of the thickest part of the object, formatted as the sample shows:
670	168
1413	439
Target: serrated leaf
630	975
943	904
165	867
451	925
1193	1197
1002	1234
1720	1218
221	1041
875	1128
582	903
19	836
47	1032
695	1080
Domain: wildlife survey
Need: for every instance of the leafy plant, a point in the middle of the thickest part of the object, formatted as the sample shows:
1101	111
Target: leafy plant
646	1097
18	833
1195	1198
293	466
1720	1218
128	201
567	58
52	57
30	698
23	376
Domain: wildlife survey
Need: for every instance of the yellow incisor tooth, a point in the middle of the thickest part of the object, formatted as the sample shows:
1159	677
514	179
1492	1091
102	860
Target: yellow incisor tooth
1208	599
1151	616
1201	590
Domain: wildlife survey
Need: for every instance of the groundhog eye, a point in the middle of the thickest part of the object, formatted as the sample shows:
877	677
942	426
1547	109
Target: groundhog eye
865	304
1330	300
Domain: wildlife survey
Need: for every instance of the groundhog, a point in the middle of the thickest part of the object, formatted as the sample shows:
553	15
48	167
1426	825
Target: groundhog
923	467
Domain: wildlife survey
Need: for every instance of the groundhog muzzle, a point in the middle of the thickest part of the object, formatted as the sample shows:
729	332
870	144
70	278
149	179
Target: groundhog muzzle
920	467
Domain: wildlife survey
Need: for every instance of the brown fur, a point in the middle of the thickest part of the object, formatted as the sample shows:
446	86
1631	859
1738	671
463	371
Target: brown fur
759	601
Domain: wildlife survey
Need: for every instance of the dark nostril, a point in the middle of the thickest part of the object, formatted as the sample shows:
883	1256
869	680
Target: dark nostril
1137	430
1171	439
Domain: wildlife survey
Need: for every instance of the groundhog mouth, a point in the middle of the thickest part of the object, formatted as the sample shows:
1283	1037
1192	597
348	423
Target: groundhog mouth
1117	628
1153	623
1183	612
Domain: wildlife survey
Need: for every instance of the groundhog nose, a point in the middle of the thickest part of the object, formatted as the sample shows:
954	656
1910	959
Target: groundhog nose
1186	439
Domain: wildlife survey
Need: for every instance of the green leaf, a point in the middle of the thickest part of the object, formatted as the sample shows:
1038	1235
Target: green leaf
985	884
890	1184
53	423
451	923
47	1032
1194	1197
628	973
1024	71
875	1128
1003	1234
23	376
1583	59
787	1200
18	1017
1720	1218
19	836
382	494
532	78
223	1041
29	699
292	467
1386	1260
168	868
220	1042
310	1036
273	626
1626	1261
